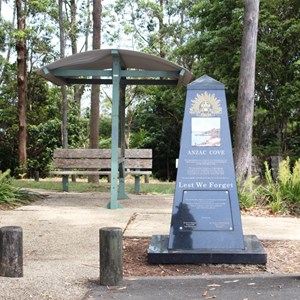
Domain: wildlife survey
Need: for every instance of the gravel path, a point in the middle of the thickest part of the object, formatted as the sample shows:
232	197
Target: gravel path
61	246
61	242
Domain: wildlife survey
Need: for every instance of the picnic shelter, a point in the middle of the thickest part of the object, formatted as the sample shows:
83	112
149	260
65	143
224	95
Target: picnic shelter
119	68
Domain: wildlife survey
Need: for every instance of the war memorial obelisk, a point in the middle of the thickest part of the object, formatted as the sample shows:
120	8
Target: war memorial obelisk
206	222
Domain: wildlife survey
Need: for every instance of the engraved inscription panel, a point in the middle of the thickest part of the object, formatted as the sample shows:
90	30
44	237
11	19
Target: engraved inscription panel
210	210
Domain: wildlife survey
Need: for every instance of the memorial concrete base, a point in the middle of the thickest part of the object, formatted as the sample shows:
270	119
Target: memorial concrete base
254	253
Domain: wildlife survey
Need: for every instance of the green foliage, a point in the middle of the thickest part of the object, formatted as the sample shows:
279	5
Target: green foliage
217	42
157	124
289	181
43	139
248	193
271	192
280	195
283	193
43	124
78	128
7	192
105	132
277	80
139	138
11	196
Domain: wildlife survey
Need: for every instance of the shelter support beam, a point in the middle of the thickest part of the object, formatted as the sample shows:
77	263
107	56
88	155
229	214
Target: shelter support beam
113	204
122	194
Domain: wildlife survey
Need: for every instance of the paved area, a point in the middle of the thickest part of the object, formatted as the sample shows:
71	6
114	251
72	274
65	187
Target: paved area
216	287
61	246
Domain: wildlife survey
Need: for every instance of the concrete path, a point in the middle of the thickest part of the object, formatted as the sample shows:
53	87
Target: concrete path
197	287
61	240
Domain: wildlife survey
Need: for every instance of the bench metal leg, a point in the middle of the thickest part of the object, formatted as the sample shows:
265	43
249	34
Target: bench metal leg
136	184
122	194
65	182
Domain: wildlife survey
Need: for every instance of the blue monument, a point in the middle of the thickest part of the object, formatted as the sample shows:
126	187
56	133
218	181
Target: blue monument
206	223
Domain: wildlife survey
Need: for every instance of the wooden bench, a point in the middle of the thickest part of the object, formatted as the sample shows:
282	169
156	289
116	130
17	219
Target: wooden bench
138	162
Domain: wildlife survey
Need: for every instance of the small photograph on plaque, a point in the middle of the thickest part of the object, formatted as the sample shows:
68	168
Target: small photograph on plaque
206	132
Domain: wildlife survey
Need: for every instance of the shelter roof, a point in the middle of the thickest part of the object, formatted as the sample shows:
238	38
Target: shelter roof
88	67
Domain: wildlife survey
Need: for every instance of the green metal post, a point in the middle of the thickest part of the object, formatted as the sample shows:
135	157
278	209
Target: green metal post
65	180
122	194
137	184
113	204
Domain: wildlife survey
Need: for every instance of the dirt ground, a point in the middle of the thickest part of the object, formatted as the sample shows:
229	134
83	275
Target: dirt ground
283	258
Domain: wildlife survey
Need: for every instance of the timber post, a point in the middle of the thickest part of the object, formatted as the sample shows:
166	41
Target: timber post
11	251
111	260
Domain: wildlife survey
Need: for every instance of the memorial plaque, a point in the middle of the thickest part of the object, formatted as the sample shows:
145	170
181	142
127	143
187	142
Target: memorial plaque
206	214
206	184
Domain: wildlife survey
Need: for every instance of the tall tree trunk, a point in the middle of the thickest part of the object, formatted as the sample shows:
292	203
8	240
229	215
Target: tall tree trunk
94	121
22	87
73	31
95	107
244	123
64	129
78	89
88	26
161	27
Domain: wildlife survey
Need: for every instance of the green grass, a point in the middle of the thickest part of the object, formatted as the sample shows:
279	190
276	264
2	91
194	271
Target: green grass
57	186
82	187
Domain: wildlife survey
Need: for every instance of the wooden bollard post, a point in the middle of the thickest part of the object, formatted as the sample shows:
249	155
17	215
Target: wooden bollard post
111	259
11	251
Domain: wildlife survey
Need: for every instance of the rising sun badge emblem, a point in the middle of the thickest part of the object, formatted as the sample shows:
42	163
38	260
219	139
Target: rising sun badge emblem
206	105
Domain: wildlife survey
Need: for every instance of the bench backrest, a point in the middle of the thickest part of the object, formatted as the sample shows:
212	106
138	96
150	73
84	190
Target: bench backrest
100	158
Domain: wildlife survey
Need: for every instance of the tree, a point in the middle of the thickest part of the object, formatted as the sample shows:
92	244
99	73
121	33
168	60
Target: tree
22	84
94	127
73	33
63	88
245	111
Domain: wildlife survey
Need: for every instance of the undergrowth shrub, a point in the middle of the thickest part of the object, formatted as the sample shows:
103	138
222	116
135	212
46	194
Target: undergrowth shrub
248	193
11	196
283	193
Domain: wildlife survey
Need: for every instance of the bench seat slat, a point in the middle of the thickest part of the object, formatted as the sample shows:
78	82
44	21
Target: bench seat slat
70	172
82	153
82	163
138	172
140	163
98	163
138	153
